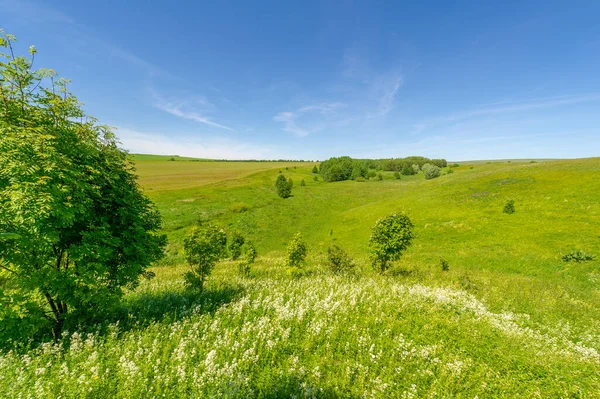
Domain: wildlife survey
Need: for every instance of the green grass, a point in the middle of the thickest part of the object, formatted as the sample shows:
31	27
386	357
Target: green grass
509	319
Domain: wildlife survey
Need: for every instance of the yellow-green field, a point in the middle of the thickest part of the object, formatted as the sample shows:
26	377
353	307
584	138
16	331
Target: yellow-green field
509	319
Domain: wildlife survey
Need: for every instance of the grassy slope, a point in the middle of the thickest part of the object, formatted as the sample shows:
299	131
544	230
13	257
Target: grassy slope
509	319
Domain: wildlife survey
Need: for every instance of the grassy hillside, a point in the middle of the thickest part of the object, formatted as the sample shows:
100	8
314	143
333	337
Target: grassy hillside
509	319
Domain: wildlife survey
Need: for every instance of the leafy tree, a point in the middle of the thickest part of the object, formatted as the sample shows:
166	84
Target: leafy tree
431	171
81	228
416	168
236	242
440	163
339	260
290	183
316	178
407	170
397	175
390	236
284	190
296	252
302	183
315	170
248	256
509	207
203	247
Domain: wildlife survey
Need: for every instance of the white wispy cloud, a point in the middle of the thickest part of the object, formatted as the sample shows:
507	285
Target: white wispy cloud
186	109
386	100
290	119
215	148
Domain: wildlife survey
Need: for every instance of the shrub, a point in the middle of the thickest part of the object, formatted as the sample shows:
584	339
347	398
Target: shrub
316	178
203	248
379	176
471	167
284	190
296	252
440	163
407	170
449	171
239	207
236	241
81	228
577	256
397	175
290	183
454	165
415	169
431	171
390	236
315	170
360	179
248	256
509	207
302	183
339	260
371	174
444	264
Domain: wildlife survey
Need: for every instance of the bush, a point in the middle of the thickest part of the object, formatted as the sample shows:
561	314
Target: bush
248	256
444	264
339	260
302	183
390	236
449	171
316	178
397	175
431	171
315	170
509	207
454	165
440	163
296	252
239	207
371	174
203	248
284	190
407	170
360	179
415	169
577	256
290	183
379	176
81	229
236	241
470	167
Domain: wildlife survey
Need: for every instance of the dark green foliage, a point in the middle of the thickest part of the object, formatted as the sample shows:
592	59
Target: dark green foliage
82	230
316	178
449	171
577	256
239	207
360	179
444	264
284	189
337	169
203	248
359	169
290	183
379	176
236	241
390	236
296	252
397	175
339	260
372	173
248	256
509	207
470	167
440	163
302	183
431	171
407	170
454	165
315	170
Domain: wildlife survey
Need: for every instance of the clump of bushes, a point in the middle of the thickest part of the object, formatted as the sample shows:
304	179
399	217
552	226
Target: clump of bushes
360	179
449	171
290	183
371	174
397	175
390	236
509	207
416	168
431	171
203	248
283	186
239	207
454	165
248	256
379	176
577	256
339	260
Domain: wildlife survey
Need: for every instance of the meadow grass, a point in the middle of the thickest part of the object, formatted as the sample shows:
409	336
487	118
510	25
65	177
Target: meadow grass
509	318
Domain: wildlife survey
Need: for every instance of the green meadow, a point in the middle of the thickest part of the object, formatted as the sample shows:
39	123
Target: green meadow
509	318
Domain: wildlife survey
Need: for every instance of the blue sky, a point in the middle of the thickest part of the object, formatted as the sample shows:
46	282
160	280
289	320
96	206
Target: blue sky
309	80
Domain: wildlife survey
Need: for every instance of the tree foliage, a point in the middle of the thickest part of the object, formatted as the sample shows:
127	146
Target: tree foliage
339	260
283	187
248	256
390	236
236	241
203	247
81	228
431	171
296	252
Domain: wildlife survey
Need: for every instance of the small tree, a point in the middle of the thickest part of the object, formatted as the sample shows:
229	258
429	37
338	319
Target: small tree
236	242
284	190
290	183
390	236
316	178
248	256
315	170
296	252
415	169
339	260
431	171
509	207
397	175
444	264
407	170
302	183
203	247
